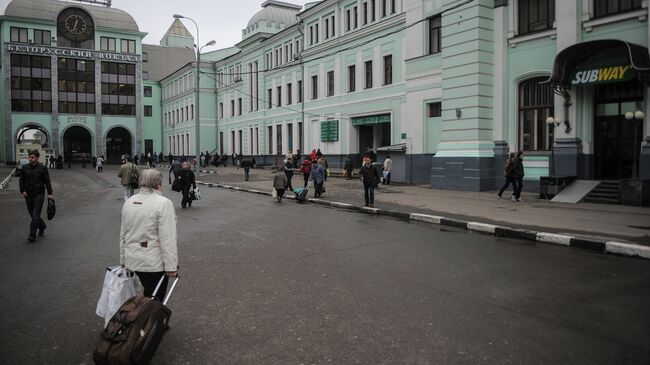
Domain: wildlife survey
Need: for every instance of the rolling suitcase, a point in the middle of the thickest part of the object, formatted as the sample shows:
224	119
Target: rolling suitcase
135	331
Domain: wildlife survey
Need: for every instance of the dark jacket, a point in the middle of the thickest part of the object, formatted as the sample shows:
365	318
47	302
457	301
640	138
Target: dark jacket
246	164
187	179
517	168
349	165
370	175
35	179
175	168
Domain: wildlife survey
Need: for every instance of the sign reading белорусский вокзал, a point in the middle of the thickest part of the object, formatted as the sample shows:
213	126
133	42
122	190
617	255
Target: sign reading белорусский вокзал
71	52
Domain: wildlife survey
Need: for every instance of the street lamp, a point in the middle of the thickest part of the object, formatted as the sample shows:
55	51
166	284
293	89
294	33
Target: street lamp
635	164
197	110
554	122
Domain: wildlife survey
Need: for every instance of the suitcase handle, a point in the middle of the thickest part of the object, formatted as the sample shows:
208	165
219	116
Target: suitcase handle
170	289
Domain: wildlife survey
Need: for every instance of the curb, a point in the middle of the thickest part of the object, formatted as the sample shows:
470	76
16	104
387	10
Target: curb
583	243
5	182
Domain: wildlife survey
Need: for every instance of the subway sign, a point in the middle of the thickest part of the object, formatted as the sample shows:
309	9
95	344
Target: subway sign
604	74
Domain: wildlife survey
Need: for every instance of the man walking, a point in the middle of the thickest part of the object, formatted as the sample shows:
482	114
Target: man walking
507	172
388	167
246	165
369	177
128	170
34	180
187	180
348	168
518	174
318	176
100	163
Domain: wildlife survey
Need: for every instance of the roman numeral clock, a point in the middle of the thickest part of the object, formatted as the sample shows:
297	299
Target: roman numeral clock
75	25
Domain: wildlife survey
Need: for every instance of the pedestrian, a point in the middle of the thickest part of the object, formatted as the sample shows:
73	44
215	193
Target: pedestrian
59	162
518	174
202	158
68	159
187	181
388	166
246	165
170	158
136	159
175	169
289	155
253	163
161	157
296	158
147	239
83	161
52	161
155	160
369	177
280	183
34	181
224	160
326	167
348	166
318	177
127	170
507	172
319	154
100	163
305	168
94	161
143	159
288	172
234	159
313	155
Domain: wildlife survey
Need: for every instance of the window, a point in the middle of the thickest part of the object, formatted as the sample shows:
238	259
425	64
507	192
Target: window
145	57
368	66
279	94
536	15
434	110
148	111
356	17
42	37
300	91
145	75
535	105
330	83
31	84
18	35
311	35
352	78
289	94
107	44
314	87
148	91
383	7
388	70
221	110
232	108
365	13
316	32
269	132
348	20
372	10
239	106
192	108
128	46
333	32
269	98
611	7
393	6
434	35
327	28
76	80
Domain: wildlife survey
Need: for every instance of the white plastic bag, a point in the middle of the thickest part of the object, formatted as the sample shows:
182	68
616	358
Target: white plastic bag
120	285
197	194
274	193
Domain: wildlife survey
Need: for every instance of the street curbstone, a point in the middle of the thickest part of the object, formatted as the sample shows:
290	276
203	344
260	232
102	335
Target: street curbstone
481	227
453	223
627	249
342	205
589	244
370	210
515	233
394	214
558	239
425	218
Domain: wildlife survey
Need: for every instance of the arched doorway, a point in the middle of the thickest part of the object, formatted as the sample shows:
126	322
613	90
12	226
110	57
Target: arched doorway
118	144
77	141
33	134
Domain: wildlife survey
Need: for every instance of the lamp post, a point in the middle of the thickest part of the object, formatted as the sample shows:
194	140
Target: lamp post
197	110
638	115
554	122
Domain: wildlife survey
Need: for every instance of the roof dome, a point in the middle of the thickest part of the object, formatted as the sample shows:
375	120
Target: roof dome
103	17
277	12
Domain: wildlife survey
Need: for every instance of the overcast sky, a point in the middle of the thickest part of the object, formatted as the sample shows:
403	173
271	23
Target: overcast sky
221	20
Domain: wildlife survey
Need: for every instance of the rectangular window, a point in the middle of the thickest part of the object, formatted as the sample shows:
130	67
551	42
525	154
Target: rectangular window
148	111
311	35
330	83
372	10
348	20
107	44
536	15
145	57
365	13
18	35
388	70
368	66
76	80
42	37
279	94
435	34
148	91
434	110
393	7
352	78
239	106
232	108
611	7
128	46
355	17
31	84
289	94
316	31
314	87
327	28
269	98
145	75
383	7
221	110
192	108
269	132
333	26
300	91
535	106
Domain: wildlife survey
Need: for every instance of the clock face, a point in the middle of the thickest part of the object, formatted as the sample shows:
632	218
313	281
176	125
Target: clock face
75	25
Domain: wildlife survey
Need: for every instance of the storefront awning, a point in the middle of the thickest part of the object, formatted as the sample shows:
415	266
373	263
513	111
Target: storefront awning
373	119
601	61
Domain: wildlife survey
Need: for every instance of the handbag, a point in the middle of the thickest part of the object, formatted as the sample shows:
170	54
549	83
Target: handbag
120	284
134	181
197	194
51	209
176	186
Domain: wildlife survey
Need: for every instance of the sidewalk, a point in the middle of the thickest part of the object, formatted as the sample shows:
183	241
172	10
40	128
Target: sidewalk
605	222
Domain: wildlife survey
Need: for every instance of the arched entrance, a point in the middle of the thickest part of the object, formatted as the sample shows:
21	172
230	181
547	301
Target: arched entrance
77	141
33	134
118	144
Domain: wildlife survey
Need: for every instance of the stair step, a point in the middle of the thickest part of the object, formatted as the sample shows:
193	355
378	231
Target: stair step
601	200
604	196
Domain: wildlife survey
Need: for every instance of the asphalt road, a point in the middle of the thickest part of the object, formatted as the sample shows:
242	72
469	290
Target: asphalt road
269	283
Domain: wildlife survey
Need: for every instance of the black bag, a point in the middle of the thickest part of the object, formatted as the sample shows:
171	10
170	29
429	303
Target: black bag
176	185
51	209
134	181
133	334
192	195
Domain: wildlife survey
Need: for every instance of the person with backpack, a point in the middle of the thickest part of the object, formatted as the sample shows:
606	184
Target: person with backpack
507	172
518	175
305	168
129	175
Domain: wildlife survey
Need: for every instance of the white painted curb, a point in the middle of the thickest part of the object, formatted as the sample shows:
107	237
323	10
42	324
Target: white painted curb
481	227
558	239
5	182
371	210
426	218
627	249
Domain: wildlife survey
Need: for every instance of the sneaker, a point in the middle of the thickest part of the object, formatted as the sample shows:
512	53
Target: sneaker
513	198
520	200
499	196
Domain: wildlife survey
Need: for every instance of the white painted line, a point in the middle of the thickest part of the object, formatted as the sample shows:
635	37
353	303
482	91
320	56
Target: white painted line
371	210
481	227
628	249
558	239
425	218
342	205
5	182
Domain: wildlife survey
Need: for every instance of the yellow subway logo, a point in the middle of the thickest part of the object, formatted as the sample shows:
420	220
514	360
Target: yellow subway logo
611	73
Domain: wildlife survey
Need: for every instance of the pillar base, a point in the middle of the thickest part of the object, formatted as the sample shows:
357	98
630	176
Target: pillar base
463	173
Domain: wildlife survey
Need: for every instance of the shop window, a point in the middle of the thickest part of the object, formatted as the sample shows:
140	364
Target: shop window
535	106
610	7
535	15
434	35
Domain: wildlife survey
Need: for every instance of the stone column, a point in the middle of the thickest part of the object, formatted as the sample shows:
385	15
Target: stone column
56	137
9	147
138	108
99	130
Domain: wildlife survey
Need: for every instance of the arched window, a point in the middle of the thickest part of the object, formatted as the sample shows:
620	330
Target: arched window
535	105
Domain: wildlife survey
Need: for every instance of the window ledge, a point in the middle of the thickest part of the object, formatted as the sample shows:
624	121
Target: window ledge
514	41
640	15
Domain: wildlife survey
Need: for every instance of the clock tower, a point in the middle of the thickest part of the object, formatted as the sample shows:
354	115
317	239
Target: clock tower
75	28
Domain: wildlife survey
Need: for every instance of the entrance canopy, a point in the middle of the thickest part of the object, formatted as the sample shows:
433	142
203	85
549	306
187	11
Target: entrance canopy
601	61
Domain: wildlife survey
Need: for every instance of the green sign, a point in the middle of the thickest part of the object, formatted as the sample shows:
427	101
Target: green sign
375	119
602	74
329	131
